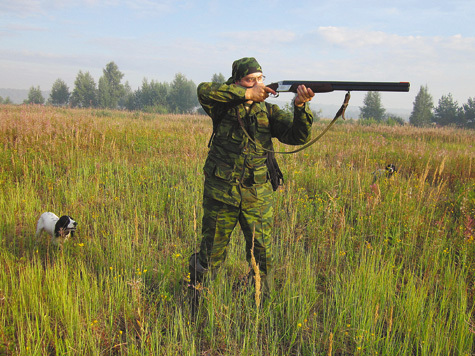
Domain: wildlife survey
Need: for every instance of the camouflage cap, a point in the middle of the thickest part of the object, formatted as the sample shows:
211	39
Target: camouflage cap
243	67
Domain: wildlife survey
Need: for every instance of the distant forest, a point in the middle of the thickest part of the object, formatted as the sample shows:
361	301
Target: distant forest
180	97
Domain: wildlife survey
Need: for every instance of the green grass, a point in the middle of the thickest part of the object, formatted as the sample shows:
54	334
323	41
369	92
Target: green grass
361	269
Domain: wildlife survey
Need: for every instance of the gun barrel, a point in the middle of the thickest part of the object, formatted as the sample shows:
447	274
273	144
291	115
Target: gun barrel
329	86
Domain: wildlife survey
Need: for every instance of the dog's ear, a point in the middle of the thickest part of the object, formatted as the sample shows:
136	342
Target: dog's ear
63	221
57	228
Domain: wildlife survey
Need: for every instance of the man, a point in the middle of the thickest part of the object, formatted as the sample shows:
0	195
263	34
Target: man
237	182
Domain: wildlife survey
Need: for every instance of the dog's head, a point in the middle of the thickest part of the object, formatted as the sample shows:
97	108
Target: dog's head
65	226
391	169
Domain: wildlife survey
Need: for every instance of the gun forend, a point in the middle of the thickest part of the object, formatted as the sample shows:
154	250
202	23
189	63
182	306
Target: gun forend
328	86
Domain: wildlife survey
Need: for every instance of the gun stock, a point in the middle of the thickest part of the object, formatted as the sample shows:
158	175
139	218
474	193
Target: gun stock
328	86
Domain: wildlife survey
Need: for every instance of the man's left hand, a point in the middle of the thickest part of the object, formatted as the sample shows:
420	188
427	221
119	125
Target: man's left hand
304	95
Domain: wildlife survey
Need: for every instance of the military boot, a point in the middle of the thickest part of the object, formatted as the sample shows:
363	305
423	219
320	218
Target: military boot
197	272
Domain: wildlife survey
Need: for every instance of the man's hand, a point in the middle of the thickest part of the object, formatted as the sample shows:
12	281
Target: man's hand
259	92
303	95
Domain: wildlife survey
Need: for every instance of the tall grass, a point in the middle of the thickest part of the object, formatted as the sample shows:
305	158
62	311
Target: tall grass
361	269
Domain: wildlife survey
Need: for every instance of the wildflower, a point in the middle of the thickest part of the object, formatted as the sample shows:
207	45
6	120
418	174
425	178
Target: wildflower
299	325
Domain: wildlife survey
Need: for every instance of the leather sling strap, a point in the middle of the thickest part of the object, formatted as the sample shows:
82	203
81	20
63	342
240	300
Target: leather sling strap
340	113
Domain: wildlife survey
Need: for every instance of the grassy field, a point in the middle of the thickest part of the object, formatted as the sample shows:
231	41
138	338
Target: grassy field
361	269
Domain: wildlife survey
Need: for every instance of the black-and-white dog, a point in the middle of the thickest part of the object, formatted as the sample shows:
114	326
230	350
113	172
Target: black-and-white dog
58	228
387	172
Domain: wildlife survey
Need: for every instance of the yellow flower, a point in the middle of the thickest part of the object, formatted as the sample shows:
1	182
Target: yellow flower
299	325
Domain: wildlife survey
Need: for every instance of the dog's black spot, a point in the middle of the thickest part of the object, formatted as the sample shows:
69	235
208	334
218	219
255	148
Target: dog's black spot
62	224
390	169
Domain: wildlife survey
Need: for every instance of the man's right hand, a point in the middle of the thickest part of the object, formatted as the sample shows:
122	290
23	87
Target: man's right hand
259	92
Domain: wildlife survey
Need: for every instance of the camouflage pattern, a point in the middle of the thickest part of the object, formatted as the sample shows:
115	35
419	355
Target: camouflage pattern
243	67
237	186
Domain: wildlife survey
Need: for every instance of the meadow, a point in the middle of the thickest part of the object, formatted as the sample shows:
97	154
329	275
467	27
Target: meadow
361	268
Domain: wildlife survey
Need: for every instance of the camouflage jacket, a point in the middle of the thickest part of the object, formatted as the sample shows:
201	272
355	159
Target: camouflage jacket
234	162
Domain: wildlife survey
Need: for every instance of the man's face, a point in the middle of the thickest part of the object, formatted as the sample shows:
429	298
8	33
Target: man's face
251	79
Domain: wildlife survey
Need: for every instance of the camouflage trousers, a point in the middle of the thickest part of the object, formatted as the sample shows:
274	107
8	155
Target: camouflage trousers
219	221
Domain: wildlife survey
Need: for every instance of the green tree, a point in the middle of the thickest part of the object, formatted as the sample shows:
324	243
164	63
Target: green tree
447	112
372	108
421	114
153	96
7	101
468	118
85	93
394	120
127	99
35	96
218	78
110	90
60	94
182	96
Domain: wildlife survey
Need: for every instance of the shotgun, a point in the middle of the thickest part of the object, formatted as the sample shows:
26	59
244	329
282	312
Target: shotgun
326	87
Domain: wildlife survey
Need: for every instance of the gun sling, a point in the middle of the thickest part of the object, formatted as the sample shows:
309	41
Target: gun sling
340	113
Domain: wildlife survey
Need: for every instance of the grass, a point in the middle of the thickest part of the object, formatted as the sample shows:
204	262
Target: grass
361	269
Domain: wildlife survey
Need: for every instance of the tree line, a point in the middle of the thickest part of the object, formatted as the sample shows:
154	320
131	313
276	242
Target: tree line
179	96
424	113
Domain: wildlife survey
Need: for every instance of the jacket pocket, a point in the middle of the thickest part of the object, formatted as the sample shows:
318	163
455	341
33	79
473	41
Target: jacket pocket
260	174
219	170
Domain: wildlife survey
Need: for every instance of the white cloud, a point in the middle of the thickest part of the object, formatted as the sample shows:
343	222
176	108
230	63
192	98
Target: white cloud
261	38
357	39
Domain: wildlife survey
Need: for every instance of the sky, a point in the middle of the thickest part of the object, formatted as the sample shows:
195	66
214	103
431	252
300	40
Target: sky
426	42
